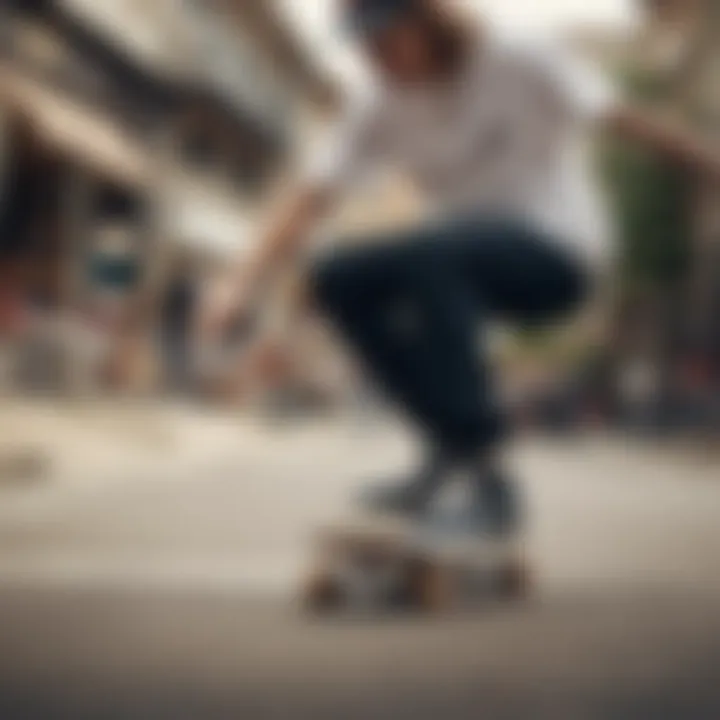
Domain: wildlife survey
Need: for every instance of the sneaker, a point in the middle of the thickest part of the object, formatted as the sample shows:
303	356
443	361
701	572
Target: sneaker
411	497
495	507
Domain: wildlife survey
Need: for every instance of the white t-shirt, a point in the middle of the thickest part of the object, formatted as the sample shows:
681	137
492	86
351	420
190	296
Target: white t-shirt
508	136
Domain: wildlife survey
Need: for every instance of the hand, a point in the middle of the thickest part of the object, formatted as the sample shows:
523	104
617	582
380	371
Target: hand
227	301
226	320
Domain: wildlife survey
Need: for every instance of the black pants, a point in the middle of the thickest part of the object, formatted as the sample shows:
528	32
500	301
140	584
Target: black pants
411	306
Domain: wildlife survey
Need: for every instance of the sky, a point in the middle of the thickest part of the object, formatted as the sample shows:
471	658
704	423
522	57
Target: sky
316	21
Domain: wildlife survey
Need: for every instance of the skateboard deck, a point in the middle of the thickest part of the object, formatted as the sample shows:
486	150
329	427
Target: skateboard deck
380	563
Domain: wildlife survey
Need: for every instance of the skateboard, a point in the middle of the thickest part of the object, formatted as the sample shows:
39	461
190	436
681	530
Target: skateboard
376	564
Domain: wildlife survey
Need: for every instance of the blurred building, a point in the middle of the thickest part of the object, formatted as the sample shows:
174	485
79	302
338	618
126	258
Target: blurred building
141	138
668	338
681	41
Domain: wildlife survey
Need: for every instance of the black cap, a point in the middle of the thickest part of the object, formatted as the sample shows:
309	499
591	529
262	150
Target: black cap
366	17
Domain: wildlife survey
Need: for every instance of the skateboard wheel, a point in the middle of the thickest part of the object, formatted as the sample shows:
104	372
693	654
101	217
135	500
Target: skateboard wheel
323	593
430	586
514	580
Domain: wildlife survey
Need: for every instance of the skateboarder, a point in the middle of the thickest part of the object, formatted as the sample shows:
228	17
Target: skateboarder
492	134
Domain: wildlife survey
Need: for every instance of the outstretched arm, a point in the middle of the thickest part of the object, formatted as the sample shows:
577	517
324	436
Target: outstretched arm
277	247
575	90
285	237
669	138
349	148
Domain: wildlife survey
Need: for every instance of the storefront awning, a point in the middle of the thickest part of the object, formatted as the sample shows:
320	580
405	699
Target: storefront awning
80	133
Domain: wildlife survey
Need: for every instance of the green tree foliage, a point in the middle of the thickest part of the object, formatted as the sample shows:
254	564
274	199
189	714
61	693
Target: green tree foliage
652	202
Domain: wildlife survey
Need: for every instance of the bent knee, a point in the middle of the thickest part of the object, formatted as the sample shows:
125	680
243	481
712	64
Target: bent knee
326	279
337	276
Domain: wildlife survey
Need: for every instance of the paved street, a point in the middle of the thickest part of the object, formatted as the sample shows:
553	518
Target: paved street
169	594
